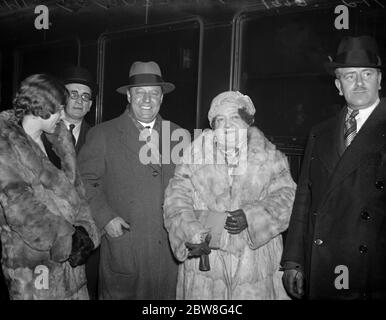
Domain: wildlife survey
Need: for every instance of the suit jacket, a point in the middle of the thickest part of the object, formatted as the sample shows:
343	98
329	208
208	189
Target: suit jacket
339	214
84	128
139	264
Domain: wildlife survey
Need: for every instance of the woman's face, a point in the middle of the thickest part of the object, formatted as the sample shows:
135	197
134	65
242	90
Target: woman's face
48	125
230	128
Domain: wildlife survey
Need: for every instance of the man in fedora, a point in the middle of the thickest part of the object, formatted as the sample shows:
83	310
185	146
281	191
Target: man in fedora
126	195
336	242
82	88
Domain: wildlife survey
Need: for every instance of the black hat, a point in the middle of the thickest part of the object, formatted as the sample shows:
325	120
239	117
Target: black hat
356	52
75	74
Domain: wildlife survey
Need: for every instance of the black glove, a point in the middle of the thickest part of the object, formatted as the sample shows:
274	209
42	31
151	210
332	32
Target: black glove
197	250
236	222
82	246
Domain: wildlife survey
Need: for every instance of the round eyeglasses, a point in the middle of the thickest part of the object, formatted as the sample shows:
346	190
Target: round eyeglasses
74	95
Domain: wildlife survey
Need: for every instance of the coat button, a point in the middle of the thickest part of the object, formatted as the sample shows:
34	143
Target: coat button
365	215
315	213
155	173
318	242
362	248
379	185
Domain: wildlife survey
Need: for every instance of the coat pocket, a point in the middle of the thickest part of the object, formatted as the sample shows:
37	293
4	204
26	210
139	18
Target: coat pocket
122	256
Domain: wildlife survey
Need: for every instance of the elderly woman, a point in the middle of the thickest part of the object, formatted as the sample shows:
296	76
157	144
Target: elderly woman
45	223
230	199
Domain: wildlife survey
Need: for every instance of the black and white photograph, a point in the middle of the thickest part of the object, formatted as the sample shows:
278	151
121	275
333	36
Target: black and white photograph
197	156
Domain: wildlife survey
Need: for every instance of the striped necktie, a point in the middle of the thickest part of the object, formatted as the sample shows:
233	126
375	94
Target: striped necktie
350	127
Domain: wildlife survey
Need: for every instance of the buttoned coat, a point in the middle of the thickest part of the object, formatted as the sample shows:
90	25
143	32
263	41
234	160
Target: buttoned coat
139	264
338	225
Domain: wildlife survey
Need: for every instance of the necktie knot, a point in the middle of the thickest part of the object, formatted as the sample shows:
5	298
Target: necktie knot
71	127
352	114
350	126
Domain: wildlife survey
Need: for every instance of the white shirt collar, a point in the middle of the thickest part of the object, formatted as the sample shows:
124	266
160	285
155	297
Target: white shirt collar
76	130
150	124
364	114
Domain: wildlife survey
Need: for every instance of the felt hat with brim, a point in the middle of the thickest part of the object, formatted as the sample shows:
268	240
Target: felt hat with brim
361	52
143	74
75	74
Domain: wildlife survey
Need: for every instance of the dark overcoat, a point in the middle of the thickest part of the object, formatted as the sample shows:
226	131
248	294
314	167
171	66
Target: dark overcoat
84	128
338	224
139	264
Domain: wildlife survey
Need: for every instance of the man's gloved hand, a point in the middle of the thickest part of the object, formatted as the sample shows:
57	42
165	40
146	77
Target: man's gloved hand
236	221
197	250
293	280
82	246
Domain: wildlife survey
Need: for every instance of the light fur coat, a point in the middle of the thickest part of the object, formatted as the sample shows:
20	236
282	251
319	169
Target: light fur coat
246	265
39	206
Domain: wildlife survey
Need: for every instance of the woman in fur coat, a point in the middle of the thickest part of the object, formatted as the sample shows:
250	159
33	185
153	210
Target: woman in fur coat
229	200
45	223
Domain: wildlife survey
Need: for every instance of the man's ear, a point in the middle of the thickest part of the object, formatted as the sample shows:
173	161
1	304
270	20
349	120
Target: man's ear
379	80
338	86
162	97
90	105
128	95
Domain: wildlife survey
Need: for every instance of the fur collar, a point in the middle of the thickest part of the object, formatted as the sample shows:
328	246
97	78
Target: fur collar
203	151
12	131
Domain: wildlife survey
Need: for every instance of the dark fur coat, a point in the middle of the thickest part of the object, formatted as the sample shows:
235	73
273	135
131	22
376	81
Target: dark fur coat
39	207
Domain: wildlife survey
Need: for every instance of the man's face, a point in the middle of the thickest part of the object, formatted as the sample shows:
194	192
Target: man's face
145	102
79	102
359	86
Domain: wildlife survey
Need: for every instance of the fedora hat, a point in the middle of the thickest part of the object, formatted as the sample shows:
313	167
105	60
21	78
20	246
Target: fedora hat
75	74
144	74
355	52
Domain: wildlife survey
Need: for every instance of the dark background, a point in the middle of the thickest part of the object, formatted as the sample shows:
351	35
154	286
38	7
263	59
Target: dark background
272	50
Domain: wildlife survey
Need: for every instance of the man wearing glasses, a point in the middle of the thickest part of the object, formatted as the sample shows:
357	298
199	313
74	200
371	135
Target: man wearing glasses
81	86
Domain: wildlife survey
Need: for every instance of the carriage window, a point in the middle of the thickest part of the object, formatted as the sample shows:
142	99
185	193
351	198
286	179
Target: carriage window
282	67
45	58
175	48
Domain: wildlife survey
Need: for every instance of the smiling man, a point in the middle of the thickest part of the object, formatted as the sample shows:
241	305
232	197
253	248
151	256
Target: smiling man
336	242
126	195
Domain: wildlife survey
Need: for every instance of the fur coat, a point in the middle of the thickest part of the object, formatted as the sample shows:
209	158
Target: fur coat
39	207
246	265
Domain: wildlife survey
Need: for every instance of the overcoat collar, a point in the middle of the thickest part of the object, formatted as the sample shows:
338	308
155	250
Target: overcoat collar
331	146
129	136
370	139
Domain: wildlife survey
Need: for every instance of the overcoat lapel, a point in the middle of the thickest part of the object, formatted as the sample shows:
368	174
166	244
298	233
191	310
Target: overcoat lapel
370	138
330	143
129	137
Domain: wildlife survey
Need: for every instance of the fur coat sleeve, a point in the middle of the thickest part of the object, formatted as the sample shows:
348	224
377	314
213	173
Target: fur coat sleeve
66	151
179	217
269	216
